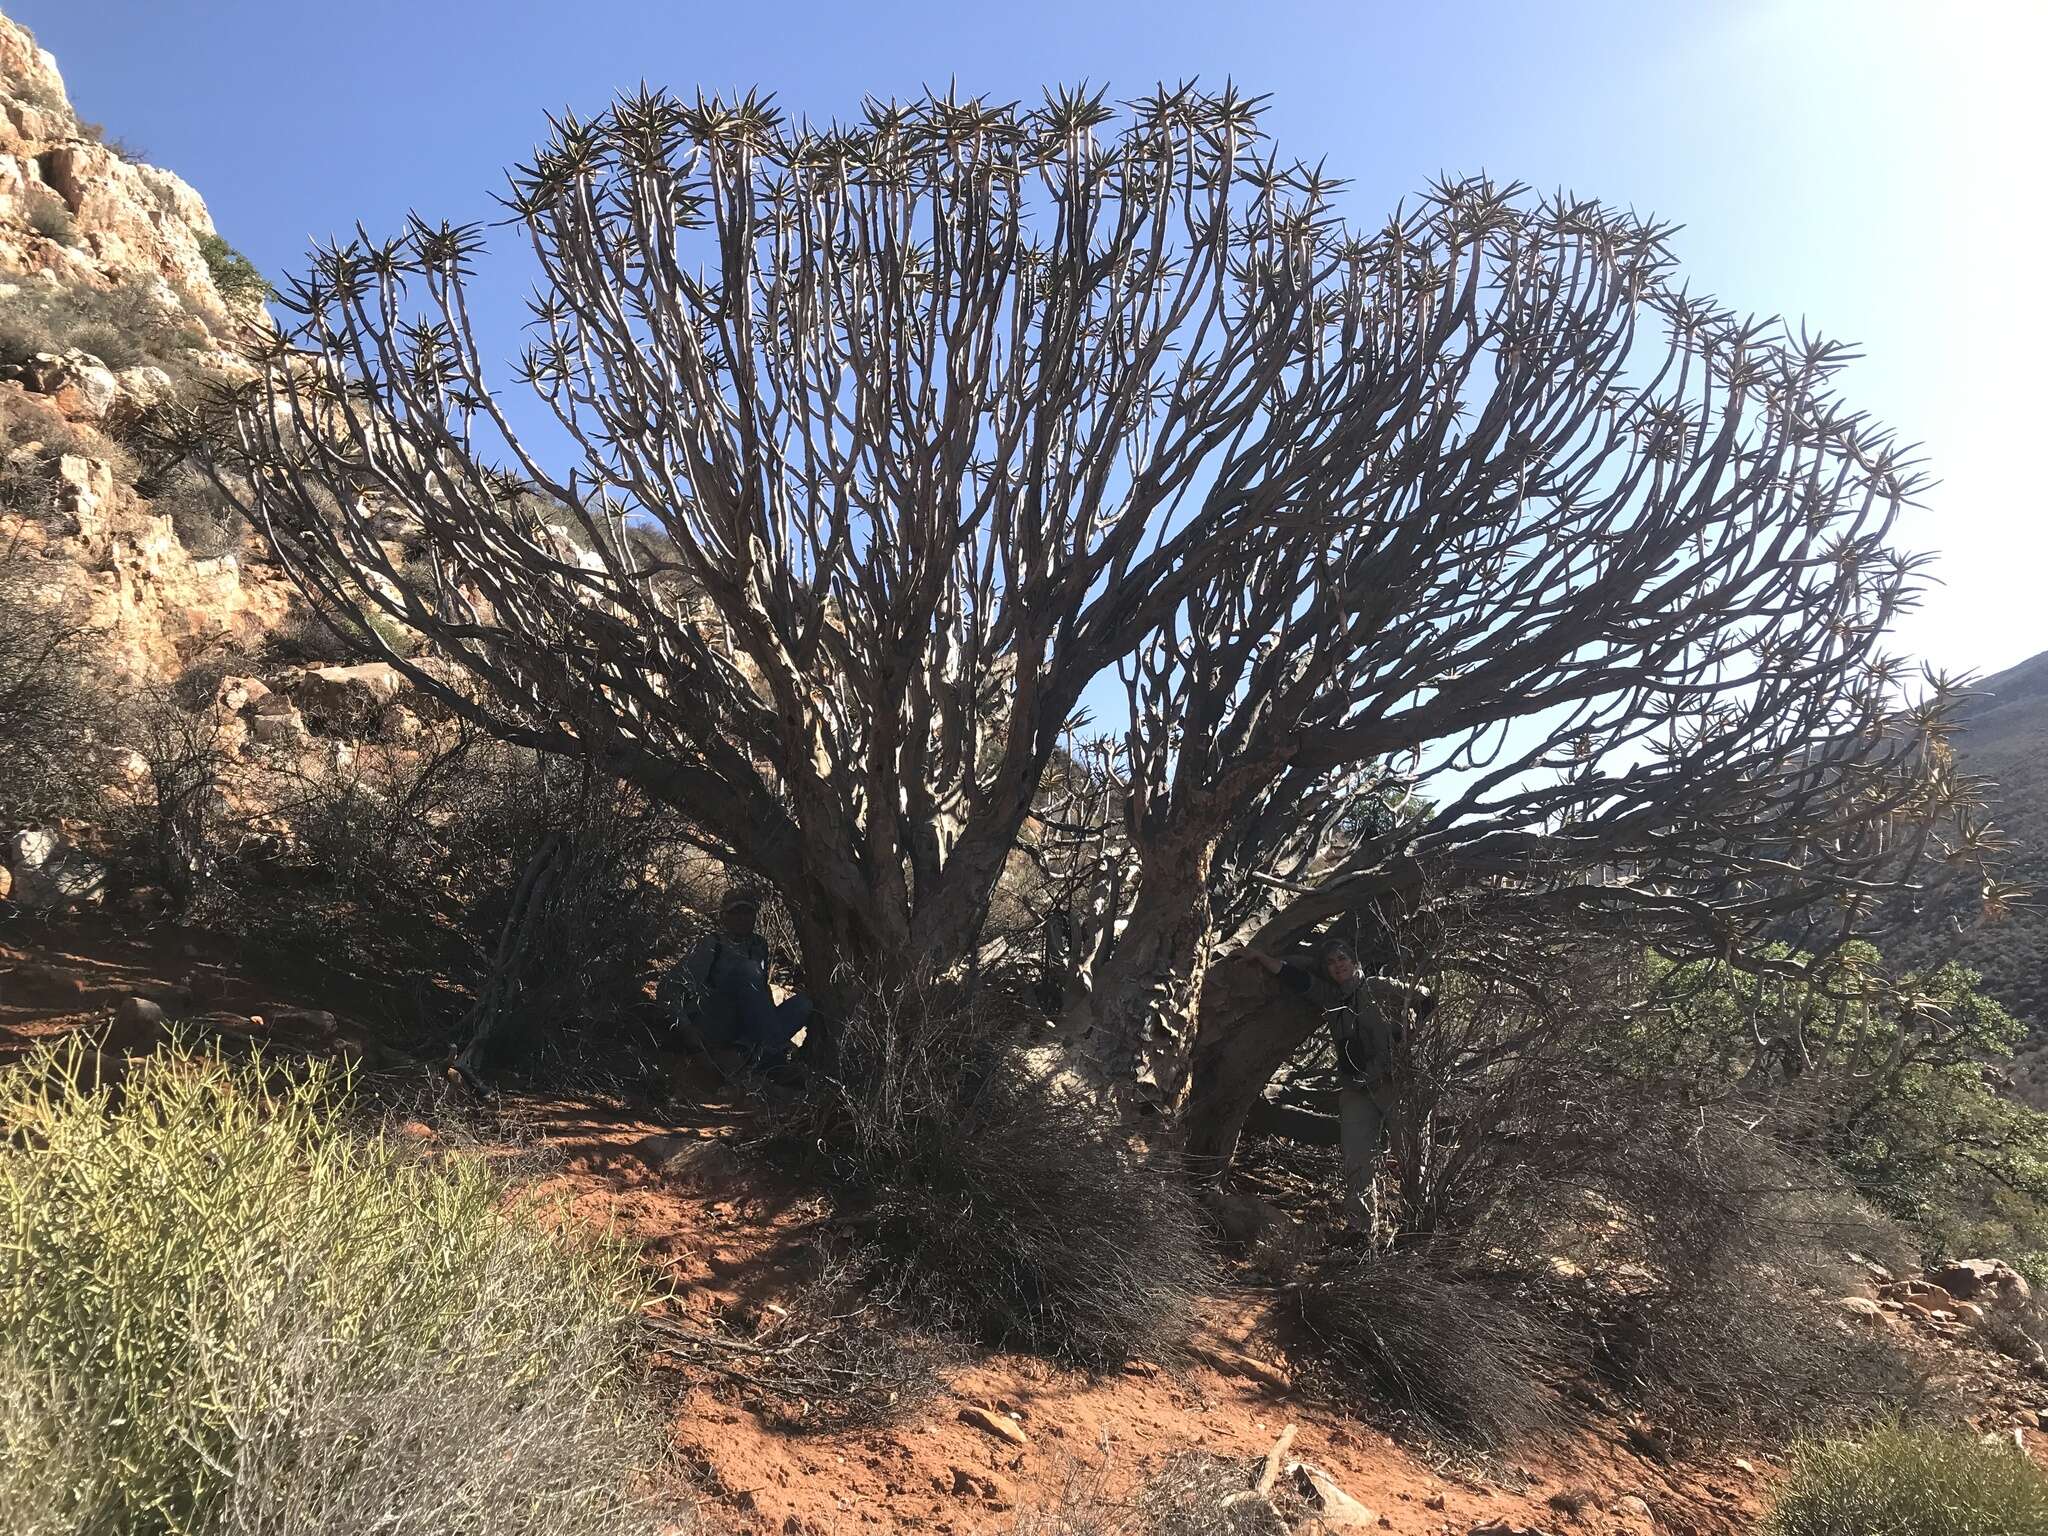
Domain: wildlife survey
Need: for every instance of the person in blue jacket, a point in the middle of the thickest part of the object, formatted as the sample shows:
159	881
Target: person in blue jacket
722	987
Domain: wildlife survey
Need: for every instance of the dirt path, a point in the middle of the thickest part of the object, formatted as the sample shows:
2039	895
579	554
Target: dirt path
728	1238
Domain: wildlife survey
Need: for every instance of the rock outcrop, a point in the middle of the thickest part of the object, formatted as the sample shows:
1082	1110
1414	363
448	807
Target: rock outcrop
98	254
123	220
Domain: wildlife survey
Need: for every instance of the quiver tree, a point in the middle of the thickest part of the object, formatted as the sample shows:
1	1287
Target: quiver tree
876	444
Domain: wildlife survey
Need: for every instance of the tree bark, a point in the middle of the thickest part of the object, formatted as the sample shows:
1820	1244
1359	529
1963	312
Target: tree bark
1138	1017
1245	1029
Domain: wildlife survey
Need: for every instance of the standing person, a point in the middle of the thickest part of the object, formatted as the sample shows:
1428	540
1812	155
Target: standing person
1366	1016
723	986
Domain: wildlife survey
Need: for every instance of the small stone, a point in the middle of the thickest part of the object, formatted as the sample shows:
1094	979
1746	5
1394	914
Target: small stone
985	1486
1232	1363
1862	1309
999	1425
1630	1504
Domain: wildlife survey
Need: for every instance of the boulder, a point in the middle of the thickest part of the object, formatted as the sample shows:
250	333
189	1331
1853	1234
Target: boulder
1861	1309
316	1022
143	389
397	723
236	694
1987	1282
139	1026
46	981
284	727
50	875
358	1053
77	383
90	393
346	700
1336	1508
85	502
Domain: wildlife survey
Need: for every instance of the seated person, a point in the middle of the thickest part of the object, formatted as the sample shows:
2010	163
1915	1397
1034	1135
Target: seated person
722	987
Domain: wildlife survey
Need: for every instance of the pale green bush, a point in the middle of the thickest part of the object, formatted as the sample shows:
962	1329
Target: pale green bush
1912	1482
223	1312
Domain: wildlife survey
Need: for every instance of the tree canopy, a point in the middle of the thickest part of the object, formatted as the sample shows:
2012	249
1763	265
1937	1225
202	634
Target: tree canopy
1471	551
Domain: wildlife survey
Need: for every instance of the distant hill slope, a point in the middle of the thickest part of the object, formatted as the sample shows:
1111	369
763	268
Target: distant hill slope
2005	738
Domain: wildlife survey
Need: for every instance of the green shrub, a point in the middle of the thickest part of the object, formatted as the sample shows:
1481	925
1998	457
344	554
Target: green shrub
223	1313
234	274
1901	1482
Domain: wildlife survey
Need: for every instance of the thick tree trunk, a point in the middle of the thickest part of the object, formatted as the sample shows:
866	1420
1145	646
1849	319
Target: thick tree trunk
1137	1019
1245	1029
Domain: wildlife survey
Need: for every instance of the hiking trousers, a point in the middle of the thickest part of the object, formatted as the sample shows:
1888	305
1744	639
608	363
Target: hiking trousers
1362	1116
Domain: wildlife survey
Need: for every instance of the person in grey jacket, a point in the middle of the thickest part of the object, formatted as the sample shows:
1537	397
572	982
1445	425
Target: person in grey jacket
1367	1017
722	987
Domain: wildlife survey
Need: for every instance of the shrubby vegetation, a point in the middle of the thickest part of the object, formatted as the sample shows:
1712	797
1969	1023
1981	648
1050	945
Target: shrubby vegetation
53	221
1192	1494
1895	1082
224	1312
1611	1164
123	326
205	522
1000	1203
1911	1482
51	707
234	274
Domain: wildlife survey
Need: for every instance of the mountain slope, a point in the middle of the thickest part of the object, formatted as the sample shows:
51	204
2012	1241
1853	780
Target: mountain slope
2004	738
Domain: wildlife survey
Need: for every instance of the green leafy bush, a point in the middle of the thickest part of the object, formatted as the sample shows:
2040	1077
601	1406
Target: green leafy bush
234	274
1900	1482
224	1313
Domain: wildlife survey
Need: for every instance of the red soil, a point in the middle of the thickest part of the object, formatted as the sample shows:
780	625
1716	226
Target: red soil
731	1237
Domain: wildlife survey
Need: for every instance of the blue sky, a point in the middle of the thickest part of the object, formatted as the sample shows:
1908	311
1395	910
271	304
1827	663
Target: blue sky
1872	167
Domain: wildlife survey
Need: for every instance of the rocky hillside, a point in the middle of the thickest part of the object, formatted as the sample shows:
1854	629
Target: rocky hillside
116	296
2005	738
